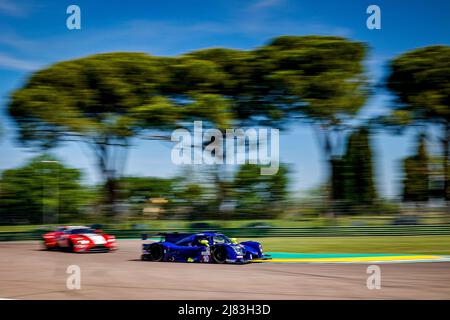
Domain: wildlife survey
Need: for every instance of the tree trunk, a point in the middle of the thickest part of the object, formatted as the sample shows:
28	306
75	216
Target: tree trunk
328	150
323	137
109	175
221	194
446	147
111	197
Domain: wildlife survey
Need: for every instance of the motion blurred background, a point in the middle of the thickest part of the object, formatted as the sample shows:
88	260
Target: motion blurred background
86	118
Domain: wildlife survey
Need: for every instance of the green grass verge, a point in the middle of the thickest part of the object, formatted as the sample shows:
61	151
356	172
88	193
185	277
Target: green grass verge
376	244
19	228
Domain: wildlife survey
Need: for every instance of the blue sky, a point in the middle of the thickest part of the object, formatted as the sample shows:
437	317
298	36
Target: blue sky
34	34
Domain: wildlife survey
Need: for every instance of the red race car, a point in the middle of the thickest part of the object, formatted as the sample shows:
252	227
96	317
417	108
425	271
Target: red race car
79	239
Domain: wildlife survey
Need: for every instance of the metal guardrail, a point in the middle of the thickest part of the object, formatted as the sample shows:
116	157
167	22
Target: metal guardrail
324	231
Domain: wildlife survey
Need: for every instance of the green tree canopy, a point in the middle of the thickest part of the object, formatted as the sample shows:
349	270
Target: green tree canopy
420	80
320	79
42	191
359	182
105	100
242	82
259	196
416	182
317	78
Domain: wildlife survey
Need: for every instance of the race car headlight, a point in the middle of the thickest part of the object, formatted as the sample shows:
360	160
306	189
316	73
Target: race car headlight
83	242
238	250
260	248
111	240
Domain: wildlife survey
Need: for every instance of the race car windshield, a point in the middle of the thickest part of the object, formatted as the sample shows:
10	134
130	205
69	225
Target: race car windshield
219	239
81	231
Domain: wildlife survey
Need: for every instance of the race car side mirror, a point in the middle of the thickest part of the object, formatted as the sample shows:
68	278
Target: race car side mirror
204	242
234	240
98	231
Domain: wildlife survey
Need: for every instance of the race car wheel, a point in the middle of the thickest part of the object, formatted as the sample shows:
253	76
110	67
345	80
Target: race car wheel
156	253
219	255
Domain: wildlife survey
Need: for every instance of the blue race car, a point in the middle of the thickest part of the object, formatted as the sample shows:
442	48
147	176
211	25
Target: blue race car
207	247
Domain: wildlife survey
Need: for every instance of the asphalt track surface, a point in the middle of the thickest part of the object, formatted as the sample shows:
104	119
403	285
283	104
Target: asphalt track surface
28	272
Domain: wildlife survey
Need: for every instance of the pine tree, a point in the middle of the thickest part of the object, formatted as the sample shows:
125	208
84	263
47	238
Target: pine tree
417	175
359	186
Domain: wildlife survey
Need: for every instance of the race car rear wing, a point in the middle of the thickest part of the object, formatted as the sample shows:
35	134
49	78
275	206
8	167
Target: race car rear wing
171	237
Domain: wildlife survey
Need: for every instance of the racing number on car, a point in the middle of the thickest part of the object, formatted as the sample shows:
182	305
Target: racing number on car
62	240
206	255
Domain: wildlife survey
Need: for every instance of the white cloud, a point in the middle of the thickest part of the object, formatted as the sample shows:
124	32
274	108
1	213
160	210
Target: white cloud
258	20
7	62
11	8
10	39
265	4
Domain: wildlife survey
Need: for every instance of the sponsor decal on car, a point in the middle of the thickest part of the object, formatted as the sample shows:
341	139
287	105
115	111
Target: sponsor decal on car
206	255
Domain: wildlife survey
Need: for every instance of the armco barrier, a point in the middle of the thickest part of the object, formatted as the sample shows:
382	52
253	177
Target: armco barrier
328	231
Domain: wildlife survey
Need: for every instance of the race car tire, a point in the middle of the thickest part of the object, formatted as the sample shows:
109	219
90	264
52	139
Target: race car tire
219	255
47	247
156	253
70	248
50	248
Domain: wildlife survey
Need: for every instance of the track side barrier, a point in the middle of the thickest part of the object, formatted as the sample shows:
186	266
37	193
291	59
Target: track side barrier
324	231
